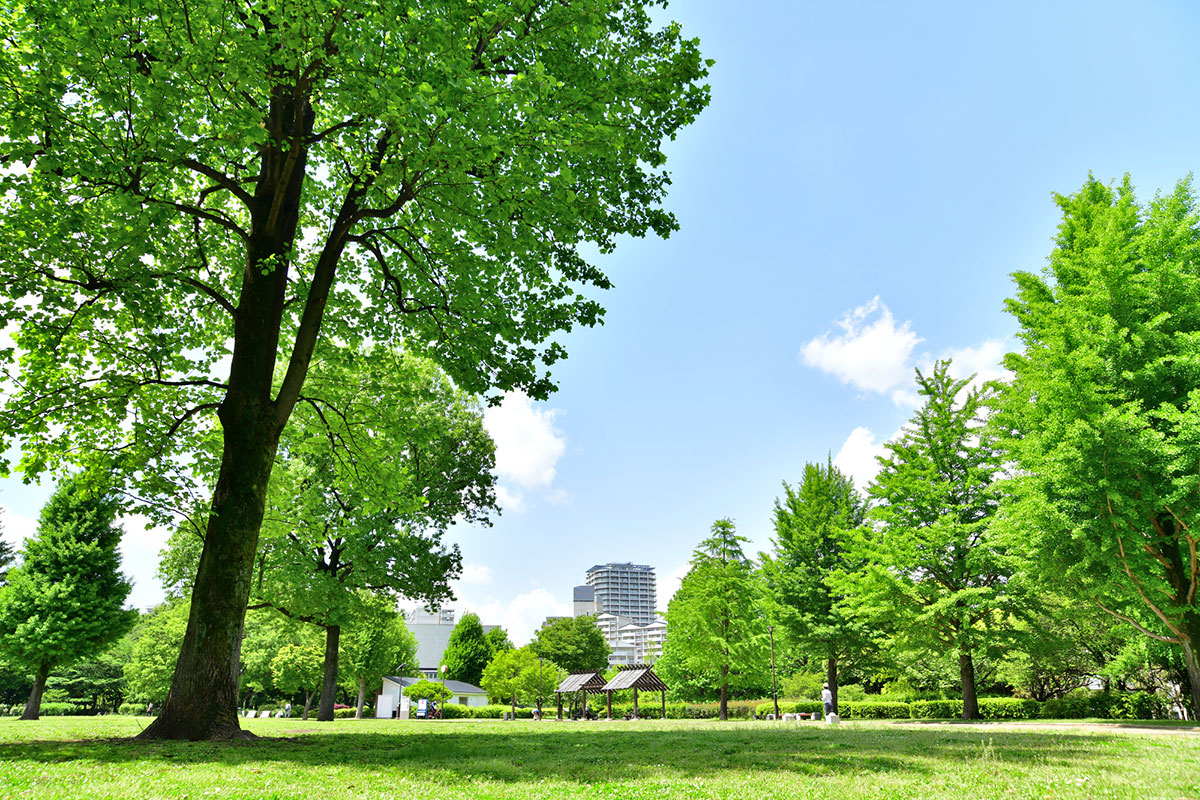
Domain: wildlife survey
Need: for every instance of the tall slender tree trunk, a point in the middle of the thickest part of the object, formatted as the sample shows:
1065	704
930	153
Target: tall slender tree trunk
308	695
362	696
831	677
966	671
333	634
33	708
1191	664
724	692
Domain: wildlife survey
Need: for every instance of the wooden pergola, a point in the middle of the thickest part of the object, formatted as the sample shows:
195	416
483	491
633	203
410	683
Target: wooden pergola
639	677
583	683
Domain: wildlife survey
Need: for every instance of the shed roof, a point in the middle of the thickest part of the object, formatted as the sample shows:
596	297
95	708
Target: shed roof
582	682
455	687
636	676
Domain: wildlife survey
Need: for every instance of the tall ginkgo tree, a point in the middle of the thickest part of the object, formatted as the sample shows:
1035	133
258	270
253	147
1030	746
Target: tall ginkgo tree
718	633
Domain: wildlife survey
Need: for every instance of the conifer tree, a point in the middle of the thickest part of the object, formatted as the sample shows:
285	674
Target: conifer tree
467	653
64	602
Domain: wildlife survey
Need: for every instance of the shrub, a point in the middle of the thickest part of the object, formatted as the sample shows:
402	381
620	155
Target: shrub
936	709
872	709
1083	703
853	692
345	712
16	710
131	709
1008	708
57	710
790	707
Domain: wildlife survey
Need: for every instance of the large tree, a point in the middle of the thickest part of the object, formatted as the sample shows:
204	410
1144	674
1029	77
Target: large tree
64	603
573	643
716	630
935	572
1103	408
518	676
190	180
813	525
467	652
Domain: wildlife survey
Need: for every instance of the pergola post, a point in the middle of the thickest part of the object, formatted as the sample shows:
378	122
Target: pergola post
664	704
608	703
635	707
559	696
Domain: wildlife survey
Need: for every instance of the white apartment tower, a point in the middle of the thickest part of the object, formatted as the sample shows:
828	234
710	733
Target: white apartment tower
624	590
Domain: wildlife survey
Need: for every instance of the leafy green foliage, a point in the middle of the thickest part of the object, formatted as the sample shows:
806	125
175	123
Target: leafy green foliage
187	181
934	572
428	690
64	603
498	641
573	643
467	652
717	638
376	644
8	557
1102	410
155	650
812	533
515	675
300	667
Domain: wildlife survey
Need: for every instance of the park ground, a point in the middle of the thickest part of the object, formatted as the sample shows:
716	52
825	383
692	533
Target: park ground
93	758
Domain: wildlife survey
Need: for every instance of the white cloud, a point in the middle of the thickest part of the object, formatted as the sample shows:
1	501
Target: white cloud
528	448
476	575
521	616
870	353
983	361
17	528
857	457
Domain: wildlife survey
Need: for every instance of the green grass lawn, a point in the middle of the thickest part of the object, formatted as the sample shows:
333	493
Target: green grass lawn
87	757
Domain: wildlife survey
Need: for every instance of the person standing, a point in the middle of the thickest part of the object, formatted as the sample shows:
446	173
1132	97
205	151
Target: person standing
287	710
827	699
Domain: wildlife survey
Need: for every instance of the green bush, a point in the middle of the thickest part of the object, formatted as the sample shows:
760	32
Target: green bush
57	710
1008	708
873	709
852	692
936	709
790	707
16	710
1083	703
347	713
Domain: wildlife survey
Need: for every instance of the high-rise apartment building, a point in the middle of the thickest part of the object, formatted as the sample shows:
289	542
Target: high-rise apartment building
624	590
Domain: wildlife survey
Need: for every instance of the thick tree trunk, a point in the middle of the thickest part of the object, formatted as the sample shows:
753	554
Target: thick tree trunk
203	700
724	692
966	671
1190	662
831	677
333	634
362	696
33	707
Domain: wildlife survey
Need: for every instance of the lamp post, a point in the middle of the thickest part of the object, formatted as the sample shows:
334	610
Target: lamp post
443	671
774	694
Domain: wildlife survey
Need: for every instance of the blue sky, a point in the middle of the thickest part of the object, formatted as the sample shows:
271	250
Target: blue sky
852	204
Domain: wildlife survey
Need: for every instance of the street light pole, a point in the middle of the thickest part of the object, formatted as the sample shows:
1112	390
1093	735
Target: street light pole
774	694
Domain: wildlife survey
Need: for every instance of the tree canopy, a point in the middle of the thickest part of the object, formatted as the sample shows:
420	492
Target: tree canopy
573	643
195	195
467	652
717	630
935	572
813	535
1102	410
65	602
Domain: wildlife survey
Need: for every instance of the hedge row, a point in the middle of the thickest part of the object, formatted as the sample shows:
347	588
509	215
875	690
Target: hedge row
1118	705
47	710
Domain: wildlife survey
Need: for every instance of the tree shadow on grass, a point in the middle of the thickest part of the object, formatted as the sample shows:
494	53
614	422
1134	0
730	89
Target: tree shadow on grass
598	753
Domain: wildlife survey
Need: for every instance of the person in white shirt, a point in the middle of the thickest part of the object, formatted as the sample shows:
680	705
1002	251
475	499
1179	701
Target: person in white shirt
827	699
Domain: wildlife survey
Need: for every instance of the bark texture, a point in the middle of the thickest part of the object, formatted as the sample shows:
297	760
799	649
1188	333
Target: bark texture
333	634
831	677
966	672
33	708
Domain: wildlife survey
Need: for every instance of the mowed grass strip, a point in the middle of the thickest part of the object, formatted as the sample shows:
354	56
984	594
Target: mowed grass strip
93	758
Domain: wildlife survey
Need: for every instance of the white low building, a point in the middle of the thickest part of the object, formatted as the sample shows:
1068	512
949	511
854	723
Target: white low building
631	642
392	698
